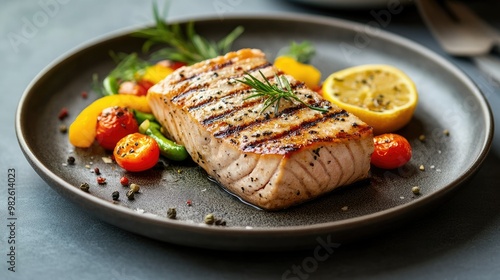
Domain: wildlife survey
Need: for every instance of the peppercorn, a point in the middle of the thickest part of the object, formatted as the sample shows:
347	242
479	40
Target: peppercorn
63	114
115	195
101	180
171	213
84	187
134	187
415	190
130	194
63	128
71	160
124	181
209	219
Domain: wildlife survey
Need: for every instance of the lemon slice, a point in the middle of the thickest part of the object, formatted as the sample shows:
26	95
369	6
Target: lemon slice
381	95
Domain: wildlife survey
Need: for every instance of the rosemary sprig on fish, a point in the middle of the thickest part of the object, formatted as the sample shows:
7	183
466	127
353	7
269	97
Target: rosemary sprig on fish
273	94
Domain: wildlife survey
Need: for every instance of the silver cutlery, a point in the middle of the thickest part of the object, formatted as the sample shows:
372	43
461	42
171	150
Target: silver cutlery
460	32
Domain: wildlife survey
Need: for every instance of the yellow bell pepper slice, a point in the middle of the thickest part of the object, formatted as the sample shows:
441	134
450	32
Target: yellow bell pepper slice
82	131
156	73
300	71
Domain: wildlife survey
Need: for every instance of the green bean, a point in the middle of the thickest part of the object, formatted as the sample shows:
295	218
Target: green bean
141	116
110	85
168	148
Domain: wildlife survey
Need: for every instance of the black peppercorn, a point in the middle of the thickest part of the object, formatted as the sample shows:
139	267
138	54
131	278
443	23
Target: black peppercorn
115	195
71	160
84	187
171	213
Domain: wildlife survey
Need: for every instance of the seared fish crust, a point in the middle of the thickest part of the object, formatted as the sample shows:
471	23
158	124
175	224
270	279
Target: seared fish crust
271	161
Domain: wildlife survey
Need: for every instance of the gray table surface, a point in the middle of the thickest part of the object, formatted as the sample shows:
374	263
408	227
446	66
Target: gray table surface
56	240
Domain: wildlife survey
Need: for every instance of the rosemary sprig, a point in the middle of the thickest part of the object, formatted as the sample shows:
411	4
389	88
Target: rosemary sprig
273	93
183	45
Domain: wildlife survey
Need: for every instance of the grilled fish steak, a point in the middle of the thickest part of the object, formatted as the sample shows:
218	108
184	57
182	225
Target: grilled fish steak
270	160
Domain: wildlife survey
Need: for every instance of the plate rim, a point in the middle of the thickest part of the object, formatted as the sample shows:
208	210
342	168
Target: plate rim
300	230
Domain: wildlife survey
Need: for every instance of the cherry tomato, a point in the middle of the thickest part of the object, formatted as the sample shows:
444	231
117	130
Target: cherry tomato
177	64
113	123
171	64
391	151
144	86
139	88
136	152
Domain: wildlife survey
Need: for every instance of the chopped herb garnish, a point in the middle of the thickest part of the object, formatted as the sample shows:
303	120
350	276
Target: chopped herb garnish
273	93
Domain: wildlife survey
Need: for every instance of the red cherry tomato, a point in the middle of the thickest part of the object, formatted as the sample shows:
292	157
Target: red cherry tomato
144	86
136	152
113	123
391	151
177	64
139	88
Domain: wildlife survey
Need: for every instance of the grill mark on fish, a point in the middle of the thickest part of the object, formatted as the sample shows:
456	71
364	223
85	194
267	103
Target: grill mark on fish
227	113
215	67
214	99
183	94
253	122
296	130
195	89
236	128
222	66
259	67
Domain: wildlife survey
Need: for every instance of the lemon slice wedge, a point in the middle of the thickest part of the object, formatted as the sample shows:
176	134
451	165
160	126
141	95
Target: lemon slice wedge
381	95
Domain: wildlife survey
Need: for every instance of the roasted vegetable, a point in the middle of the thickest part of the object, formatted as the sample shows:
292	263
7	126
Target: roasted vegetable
391	151
136	152
293	61
82	131
114	123
168	148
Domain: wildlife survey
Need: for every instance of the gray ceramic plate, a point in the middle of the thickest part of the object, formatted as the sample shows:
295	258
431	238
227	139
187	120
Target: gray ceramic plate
448	100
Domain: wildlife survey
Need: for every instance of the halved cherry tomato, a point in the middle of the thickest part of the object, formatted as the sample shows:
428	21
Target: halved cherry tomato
391	151
114	123
136	152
